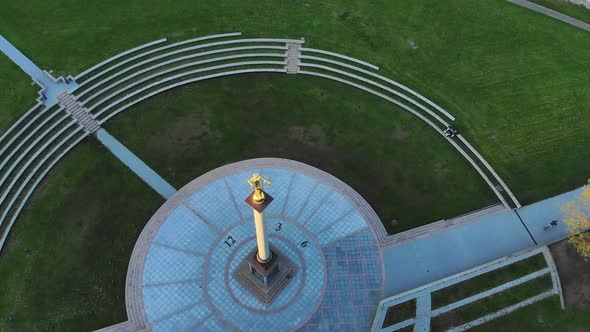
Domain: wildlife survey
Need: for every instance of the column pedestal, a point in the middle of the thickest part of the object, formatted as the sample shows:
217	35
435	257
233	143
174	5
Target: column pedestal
265	280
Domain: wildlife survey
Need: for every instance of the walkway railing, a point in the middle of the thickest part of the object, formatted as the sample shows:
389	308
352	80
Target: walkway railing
422	295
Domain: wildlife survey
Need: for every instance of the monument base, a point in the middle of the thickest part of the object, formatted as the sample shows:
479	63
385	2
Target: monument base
265	280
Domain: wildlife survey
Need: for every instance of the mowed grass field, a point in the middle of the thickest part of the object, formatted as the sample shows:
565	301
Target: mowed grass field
64	269
377	150
517	82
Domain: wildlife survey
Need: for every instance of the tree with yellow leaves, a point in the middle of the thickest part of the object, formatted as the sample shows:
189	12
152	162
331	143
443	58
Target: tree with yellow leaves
577	220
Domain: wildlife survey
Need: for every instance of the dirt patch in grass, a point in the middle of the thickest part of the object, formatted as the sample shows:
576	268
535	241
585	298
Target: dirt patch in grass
399	134
574	273
440	169
311	135
185	135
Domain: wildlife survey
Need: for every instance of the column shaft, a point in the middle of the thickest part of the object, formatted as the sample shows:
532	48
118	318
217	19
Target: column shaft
263	249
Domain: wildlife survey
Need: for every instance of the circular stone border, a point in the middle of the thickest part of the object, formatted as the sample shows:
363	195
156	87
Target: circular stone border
134	281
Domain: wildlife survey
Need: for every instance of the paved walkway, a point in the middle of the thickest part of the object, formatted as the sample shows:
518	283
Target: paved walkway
415	263
552	13
50	87
423	308
135	164
538	215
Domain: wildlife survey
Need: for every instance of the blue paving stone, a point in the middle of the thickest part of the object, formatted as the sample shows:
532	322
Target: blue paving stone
361	238
329	213
340	267
212	324
165	300
346	314
344	298
316	318
353	252
280	178
322	327
357	281
301	188
355	267
360	297
330	299
352	223
184	321
184	230
330	315
342	282
168	265
331	268
369	252
373	281
347	328
335	253
370	266
373	296
315	201
216	204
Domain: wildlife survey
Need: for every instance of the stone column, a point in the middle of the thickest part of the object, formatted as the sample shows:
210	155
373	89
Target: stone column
264	254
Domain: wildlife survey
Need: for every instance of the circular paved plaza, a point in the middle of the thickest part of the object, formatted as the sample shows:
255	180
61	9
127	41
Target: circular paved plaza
181	271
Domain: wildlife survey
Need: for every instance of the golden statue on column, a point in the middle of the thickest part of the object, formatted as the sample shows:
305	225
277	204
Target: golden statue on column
256	182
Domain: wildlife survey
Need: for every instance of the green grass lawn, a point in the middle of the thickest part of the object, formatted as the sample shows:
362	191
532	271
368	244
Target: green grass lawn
16	93
398	164
518	82
80	240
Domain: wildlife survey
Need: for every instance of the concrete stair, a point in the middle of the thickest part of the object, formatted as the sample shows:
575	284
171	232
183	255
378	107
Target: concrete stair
78	112
293	53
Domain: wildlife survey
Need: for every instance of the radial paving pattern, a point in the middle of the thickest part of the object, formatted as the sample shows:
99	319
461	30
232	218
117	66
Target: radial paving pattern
190	248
